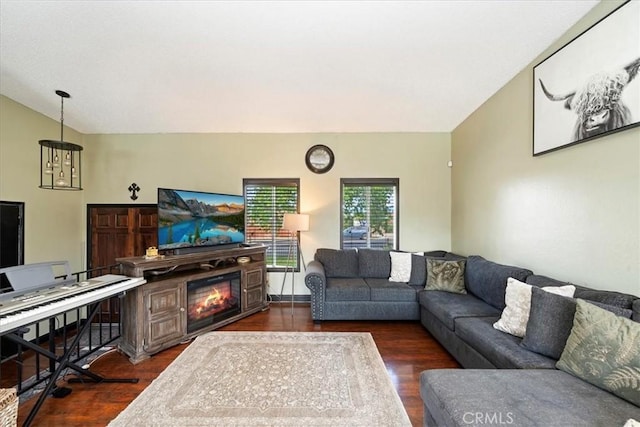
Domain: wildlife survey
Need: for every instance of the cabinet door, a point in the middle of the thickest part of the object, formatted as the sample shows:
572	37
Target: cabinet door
165	315
116	232
120	231
253	287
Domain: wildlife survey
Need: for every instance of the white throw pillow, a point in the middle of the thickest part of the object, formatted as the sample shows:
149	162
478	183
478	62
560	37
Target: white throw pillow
517	298
400	266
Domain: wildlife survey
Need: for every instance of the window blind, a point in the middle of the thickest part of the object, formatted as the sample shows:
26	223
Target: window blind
369	213
266	201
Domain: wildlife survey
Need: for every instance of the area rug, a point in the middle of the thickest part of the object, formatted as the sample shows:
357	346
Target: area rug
271	379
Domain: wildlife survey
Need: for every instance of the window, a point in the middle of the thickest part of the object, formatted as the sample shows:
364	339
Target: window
369	213
266	201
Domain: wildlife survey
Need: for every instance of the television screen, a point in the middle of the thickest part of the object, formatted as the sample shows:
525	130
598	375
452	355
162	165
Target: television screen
193	219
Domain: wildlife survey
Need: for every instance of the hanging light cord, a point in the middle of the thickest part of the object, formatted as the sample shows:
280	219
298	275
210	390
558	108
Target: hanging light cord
62	119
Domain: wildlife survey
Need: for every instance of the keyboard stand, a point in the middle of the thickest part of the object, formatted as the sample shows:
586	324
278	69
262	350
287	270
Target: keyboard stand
64	362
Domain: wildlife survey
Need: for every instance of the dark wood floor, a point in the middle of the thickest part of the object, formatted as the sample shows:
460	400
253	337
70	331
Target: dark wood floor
406	348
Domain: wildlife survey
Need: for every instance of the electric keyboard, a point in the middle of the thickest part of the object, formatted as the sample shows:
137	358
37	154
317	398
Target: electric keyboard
23	309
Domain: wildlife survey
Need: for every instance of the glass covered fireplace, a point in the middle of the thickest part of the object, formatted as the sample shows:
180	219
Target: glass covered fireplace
211	300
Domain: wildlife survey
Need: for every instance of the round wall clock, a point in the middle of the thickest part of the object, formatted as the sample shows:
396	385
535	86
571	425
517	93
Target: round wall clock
319	159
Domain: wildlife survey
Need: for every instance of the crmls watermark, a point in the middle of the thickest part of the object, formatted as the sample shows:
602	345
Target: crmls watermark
489	418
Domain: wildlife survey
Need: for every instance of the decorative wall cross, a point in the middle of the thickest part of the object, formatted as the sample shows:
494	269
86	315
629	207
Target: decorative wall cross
133	188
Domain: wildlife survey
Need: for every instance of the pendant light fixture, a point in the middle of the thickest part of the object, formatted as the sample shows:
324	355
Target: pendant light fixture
60	161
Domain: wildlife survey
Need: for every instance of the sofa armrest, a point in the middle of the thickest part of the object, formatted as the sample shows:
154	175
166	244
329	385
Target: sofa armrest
316	280
315	277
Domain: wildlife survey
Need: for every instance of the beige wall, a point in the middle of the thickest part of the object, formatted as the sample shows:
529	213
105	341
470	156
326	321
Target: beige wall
55	226
219	162
572	214
54	220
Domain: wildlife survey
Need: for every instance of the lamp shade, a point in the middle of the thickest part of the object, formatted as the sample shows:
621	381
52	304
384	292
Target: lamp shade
295	222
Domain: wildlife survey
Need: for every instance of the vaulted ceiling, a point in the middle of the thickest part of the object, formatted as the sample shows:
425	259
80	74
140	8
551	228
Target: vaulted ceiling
270	66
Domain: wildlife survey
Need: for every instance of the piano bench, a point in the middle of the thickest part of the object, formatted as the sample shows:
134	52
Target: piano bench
8	407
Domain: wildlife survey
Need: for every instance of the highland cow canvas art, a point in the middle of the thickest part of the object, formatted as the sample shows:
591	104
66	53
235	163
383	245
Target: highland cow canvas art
590	87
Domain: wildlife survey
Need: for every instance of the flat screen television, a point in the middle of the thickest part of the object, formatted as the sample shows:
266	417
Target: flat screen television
189	221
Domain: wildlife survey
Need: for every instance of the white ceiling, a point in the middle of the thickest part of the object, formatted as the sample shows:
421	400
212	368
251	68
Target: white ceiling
269	66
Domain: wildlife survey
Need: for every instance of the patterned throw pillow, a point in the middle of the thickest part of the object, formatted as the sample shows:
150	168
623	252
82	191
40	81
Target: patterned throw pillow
445	276
400	267
517	298
604	350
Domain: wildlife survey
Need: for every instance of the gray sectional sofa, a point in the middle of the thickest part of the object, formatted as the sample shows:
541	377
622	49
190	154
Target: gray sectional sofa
506	382
463	323
354	285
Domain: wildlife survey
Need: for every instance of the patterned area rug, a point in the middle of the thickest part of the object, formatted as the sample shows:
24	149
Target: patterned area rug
271	379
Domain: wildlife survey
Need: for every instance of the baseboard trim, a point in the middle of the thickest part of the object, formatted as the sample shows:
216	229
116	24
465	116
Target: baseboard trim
287	298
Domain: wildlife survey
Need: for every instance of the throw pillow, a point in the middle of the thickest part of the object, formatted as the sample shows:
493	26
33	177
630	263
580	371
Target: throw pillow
604	349
445	276
550	322
549	337
401	266
517	298
418	270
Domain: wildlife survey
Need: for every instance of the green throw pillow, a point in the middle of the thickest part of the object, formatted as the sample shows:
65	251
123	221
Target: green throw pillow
445	276
604	350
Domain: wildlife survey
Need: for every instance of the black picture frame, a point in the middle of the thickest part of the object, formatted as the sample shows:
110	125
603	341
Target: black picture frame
590	87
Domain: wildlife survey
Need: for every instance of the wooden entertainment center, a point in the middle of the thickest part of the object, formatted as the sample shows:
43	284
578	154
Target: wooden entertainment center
154	315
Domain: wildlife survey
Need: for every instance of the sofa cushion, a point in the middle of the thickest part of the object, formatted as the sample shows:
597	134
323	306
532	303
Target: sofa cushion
604	350
542	281
384	290
435	254
445	275
549	337
536	397
338	262
447	306
346	289
604	297
374	263
488	280
454	256
503	350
